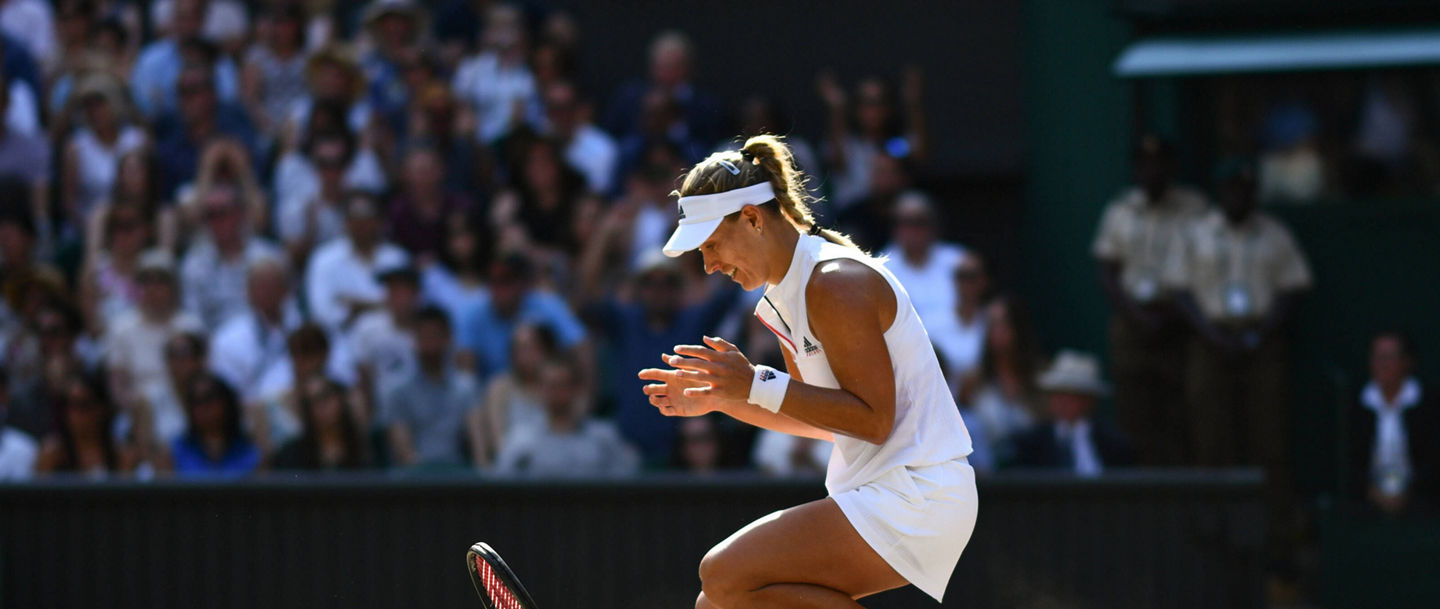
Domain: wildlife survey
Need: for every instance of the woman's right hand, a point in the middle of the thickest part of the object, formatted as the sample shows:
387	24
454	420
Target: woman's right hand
667	393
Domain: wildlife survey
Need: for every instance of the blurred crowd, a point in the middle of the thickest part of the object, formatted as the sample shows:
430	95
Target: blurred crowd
264	236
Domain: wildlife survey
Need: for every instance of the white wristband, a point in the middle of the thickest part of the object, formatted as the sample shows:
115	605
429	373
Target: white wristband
767	389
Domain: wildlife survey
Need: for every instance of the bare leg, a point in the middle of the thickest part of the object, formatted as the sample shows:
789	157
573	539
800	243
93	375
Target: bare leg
806	556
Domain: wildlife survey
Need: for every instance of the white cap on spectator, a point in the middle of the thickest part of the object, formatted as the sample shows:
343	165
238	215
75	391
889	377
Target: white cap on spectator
155	260
1074	372
700	214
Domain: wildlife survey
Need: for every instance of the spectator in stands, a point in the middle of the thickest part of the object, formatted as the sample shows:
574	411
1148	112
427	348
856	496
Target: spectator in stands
137	184
923	263
759	114
872	127
1291	168
214	444
1003	395
22	267
340	281
32	24
135	345
455	279
422	203
512	398
157	75
1243	275
25	156
1139	241
486	329
334	100
330	439
213	274
56	328
157	418
653	317
959	335
671	78
1394	459
382	341
18	451
273	78
310	189
82	442
588	149
870	220
698	448
496	84
275	414
571	444
546	210
434	122
250	342
425	415
92	152
1071	441
186	132
661	124
396	28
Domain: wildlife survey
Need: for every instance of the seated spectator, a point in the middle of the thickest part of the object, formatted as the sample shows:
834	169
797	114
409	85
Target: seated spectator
275	411
782	455
159	67
571	444
1394	459
18	450
340	281
92	152
512	398
213	274
662	124
588	150
653	319
135	346
137	184
959	335
395	29
155	420
872	127
422	204
214	444
671	78
920	261
698	449
310	189
496	84
224	161
201	117
425	415
870	221
544	214
455	279
435	121
486	329
330	439
82	442
109	288
1291	168
25	156
1071	441
273	77
249	343
335	84
382	341
23	273
1001	394
57	328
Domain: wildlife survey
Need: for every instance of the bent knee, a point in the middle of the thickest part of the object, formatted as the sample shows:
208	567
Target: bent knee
719	577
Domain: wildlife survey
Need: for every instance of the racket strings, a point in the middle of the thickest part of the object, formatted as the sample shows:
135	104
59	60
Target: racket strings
499	593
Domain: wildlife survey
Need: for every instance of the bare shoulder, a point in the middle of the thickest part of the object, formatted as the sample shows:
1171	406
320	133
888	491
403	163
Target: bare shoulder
845	290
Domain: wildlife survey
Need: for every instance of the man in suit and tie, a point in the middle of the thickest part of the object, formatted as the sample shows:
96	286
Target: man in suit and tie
1394	460
1071	440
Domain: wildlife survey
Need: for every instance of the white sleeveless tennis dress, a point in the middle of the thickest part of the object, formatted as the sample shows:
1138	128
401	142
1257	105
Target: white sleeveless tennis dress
912	498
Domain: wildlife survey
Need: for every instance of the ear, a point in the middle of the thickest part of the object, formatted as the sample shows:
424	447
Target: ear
751	218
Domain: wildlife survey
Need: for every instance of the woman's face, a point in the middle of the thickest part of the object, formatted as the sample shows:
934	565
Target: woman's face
326	405
734	249
332	82
999	334
82	409
207	412
127	232
541	168
872	109
99	113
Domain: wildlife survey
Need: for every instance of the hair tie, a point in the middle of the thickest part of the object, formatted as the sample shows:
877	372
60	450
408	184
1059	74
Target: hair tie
747	155
814	229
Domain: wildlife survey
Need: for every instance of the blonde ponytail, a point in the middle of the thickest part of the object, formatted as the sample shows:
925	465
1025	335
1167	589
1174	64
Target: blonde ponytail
762	158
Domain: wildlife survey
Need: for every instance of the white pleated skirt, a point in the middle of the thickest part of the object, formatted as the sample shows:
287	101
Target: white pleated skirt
917	519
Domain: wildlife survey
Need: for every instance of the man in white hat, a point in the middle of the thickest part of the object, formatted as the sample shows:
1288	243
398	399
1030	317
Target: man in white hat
1071	440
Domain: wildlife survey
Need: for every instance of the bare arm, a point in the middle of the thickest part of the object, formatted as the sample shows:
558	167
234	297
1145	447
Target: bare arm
401	447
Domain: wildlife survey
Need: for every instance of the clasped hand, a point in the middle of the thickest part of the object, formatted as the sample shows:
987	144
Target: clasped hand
701	379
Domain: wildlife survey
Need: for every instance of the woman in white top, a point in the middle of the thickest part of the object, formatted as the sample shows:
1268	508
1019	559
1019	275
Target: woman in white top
902	500
93	151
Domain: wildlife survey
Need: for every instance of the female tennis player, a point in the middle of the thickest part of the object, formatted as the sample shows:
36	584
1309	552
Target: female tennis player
902	500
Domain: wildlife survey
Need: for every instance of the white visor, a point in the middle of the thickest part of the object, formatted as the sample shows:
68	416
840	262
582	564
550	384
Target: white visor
699	215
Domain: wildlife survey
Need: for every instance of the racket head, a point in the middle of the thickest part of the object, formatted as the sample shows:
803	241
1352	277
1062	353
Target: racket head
496	584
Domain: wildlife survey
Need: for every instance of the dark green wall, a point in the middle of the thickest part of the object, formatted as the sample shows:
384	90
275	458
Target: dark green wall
1078	128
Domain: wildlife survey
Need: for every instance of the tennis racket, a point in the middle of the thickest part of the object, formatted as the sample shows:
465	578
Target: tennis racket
494	581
